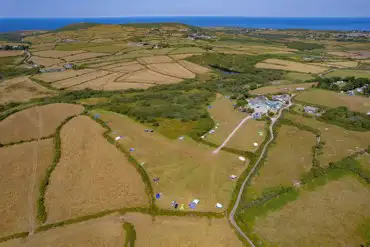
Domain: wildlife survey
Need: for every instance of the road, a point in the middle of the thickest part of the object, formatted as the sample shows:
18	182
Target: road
231	135
236	205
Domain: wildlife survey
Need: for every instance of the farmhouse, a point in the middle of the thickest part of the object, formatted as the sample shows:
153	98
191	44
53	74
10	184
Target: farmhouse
263	105
311	109
282	98
300	89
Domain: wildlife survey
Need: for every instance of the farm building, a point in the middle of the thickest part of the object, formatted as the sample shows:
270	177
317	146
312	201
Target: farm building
263	105
300	89
311	109
283	98
49	70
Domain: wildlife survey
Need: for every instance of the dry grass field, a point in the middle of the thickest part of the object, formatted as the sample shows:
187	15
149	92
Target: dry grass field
223	113
99	83
181	56
287	160
343	64
91	176
195	68
36	122
56	54
126	85
171	69
103	232
349	72
46	61
333	99
22	168
166	231
149	76
187	50
187	170
281	88
339	142
295	76
79	79
58	76
155	59
84	56
128	68
10	53
251	132
328	216
22	89
290	66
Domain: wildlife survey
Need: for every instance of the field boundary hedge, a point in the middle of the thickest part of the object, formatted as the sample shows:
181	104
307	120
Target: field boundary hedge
14	236
44	84
41	210
130	234
25	141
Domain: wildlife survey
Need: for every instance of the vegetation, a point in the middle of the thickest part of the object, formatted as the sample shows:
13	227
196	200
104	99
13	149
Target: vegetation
350	83
77	26
341	116
303	46
130	234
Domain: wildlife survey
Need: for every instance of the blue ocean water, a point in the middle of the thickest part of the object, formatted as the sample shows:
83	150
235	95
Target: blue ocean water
344	24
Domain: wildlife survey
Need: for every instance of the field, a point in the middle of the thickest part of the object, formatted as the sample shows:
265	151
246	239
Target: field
149	76
155	59
287	160
107	232
350	72
22	89
195	68
56	54
339	142
97	177
223	113
79	80
125	68
44	61
294	76
290	66
186	50
22	168
83	56
58	76
36	122
187	170
171	69
283	88
313	219
10	53
333	99
164	231
251	132
99	83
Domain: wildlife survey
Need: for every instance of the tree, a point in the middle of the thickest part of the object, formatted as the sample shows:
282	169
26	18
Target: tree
270	113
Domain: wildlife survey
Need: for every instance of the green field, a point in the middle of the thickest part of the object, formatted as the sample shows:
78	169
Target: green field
334	99
349	72
295	77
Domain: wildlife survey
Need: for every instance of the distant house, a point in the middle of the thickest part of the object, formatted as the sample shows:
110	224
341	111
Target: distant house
300	89
282	98
311	109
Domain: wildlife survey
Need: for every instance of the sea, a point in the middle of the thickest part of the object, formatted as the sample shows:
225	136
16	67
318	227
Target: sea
339	24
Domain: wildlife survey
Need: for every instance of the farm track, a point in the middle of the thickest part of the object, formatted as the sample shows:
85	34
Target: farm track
232	134
237	202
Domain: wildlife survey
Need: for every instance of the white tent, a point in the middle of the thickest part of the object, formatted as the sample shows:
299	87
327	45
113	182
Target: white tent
241	158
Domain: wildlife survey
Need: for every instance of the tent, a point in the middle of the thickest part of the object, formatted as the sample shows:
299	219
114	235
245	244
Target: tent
158	195
241	158
219	205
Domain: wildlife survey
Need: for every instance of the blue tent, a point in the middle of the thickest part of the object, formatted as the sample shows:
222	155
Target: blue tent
97	116
192	205
132	149
158	195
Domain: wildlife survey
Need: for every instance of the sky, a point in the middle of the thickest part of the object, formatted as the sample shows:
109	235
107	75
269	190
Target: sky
249	8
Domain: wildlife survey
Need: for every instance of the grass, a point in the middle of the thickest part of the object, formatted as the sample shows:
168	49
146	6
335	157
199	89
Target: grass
294	76
22	167
224	114
349	72
95	178
339	142
249	133
284	170
186	169
36	122
334	99
177	231
275	89
287	65
314	214
105	231
174	128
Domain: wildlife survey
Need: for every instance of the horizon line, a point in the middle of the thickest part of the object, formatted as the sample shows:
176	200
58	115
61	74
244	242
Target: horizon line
151	16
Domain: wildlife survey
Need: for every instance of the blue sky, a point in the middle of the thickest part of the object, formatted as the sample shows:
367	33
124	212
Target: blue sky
117	8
